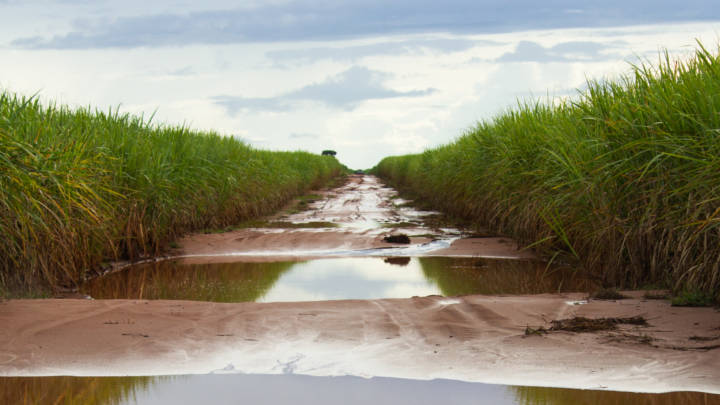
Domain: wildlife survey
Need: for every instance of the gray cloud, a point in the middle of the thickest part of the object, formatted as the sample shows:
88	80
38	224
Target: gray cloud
352	53
345	91
528	51
340	19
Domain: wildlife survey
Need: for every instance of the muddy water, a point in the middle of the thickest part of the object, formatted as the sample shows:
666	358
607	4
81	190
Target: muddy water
299	390
331	279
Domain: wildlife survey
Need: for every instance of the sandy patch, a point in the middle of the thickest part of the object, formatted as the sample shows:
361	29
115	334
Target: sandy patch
471	338
261	241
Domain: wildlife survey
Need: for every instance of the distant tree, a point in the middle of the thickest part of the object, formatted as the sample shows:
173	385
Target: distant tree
329	152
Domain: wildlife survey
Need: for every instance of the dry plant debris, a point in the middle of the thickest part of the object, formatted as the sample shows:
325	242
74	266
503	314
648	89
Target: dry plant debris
581	324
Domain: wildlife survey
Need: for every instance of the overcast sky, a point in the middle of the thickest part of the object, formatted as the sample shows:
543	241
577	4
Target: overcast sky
366	78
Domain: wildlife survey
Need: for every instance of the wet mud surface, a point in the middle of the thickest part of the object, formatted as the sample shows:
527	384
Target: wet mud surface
364	213
472	338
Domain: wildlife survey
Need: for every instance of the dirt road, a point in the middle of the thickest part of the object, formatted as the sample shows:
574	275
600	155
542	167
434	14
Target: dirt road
362	213
471	338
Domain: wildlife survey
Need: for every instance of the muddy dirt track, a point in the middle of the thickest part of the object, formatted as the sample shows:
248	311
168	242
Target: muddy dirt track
471	338
363	212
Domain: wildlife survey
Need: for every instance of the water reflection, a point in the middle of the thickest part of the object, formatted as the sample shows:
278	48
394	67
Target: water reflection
74	390
299	390
219	282
399	261
350	278
563	396
500	276
336	278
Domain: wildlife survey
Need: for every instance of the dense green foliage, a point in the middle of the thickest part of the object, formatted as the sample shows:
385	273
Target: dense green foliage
80	187
626	177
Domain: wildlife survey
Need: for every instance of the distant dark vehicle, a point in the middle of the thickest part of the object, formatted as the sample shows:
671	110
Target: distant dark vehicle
359	172
329	153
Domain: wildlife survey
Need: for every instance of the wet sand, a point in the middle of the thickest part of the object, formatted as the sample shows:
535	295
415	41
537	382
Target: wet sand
471	338
365	212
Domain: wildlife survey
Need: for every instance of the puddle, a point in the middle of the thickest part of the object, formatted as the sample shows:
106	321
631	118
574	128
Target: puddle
333	279
298	389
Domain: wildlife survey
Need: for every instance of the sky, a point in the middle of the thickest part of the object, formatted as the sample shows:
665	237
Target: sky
367	78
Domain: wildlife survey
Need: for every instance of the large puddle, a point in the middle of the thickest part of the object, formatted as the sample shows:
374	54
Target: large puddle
332	279
299	389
